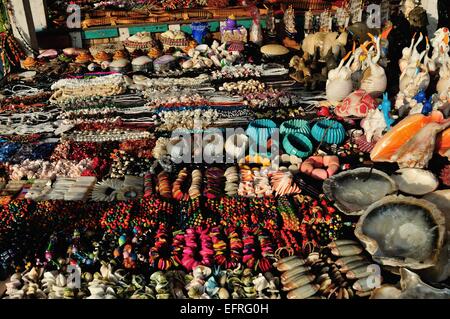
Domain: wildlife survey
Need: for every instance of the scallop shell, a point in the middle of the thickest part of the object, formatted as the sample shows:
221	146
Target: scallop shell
415	181
355	190
102	56
400	231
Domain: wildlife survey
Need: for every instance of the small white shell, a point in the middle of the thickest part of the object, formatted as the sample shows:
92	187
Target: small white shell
105	65
120	63
91	67
415	181
142	60
202	48
209	63
216	61
187	64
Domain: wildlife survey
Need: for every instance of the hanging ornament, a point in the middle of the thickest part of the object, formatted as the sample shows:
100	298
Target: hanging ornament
309	21
325	21
385	9
289	22
408	6
270	22
255	30
356	10
342	17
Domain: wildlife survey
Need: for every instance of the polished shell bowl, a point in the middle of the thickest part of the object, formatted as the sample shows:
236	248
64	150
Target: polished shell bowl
355	190
400	231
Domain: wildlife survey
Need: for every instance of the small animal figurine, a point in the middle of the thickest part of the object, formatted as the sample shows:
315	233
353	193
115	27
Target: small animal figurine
385	106
420	97
427	107
374	80
339	83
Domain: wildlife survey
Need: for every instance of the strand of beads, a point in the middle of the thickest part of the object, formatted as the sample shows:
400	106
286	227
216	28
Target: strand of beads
215	181
196	184
190	214
152	211
290	220
163	187
164	254
117	218
179	186
193	255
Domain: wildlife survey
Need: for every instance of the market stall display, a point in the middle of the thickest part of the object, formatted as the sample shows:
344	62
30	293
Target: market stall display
173	165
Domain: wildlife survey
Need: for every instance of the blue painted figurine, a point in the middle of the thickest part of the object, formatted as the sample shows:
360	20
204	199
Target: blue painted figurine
385	106
427	107
420	97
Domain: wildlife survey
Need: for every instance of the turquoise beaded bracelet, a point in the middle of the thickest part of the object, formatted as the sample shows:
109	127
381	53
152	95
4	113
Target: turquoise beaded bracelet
295	126
297	144
328	131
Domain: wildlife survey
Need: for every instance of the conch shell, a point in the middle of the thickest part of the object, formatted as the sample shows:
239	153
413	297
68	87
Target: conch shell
389	145
419	150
